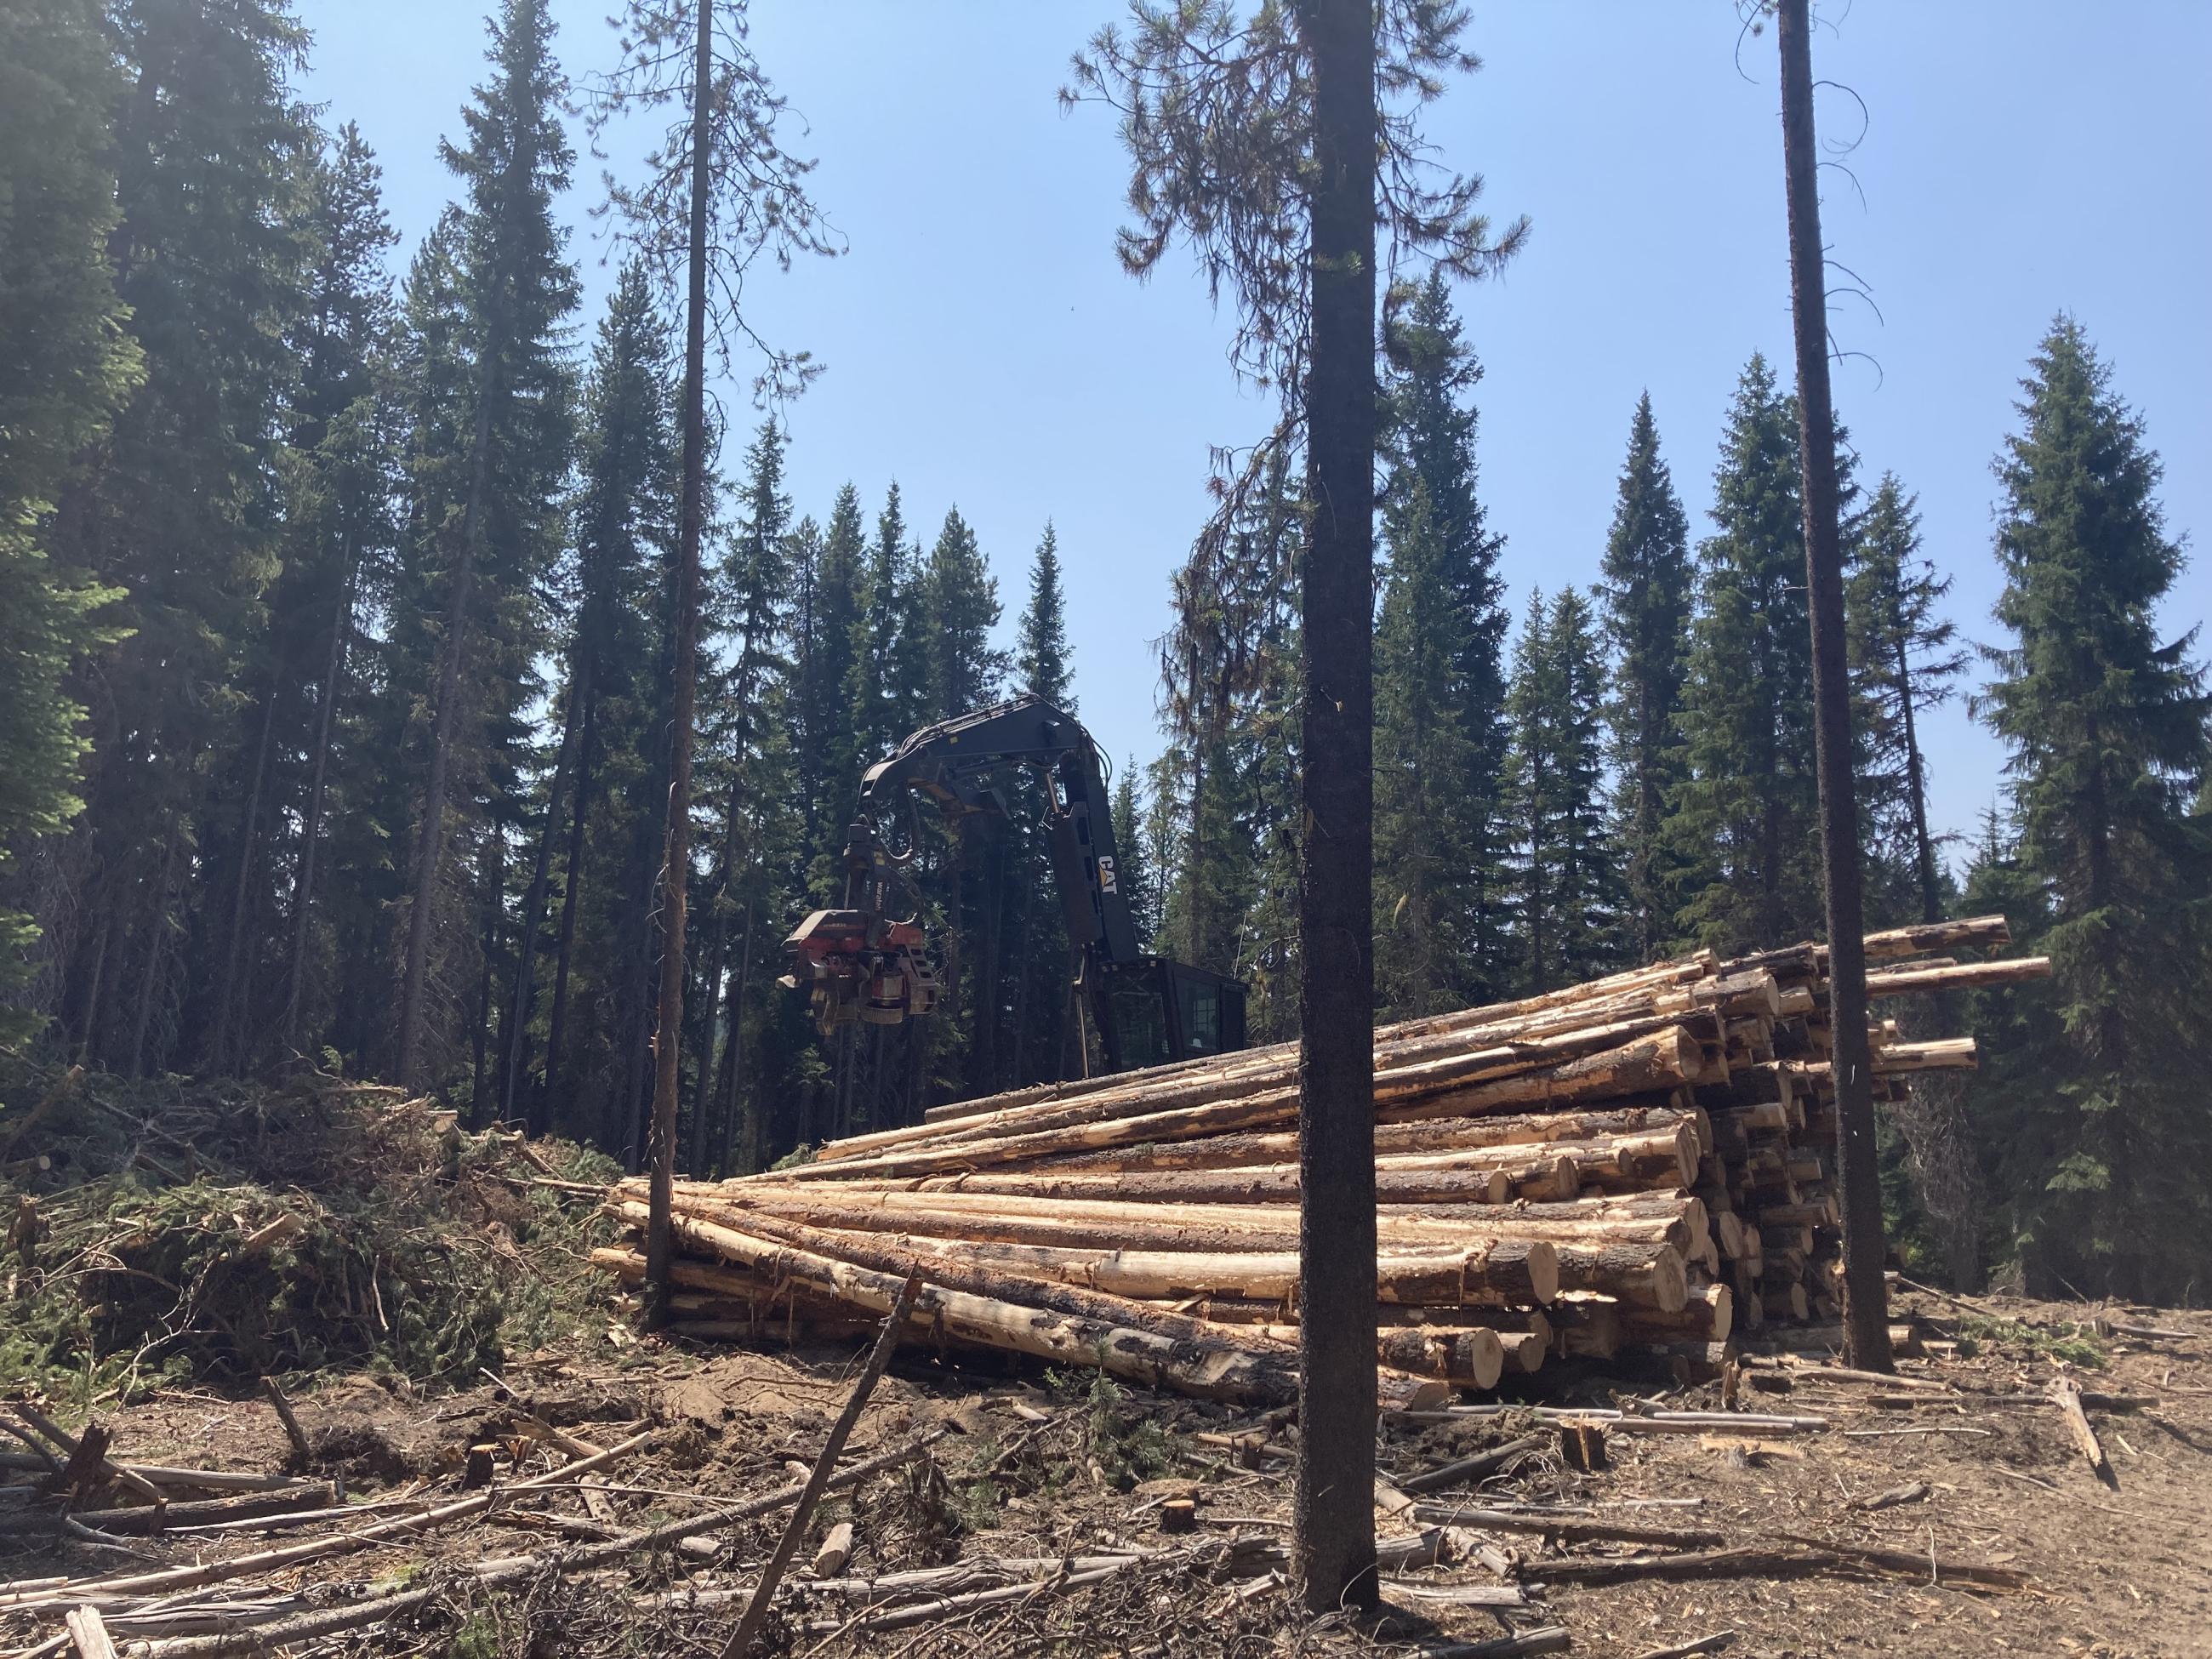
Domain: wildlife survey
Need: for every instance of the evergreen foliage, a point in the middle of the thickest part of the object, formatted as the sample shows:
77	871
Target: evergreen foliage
1741	821
1571	892
1427	770
66	366
1905	657
2101	1149
1646	596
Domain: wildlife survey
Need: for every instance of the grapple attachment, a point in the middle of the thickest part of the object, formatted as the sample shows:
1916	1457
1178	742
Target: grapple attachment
855	967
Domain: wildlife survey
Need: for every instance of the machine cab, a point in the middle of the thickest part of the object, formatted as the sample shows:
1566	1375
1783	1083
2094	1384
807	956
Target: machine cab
1159	1012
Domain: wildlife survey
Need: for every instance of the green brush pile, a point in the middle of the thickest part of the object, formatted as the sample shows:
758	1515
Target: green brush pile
171	1230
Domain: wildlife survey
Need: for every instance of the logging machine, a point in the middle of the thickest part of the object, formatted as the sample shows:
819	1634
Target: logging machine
870	963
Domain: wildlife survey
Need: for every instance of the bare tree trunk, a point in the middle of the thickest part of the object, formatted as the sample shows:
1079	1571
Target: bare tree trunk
1333	1549
430	845
729	1078
513	1050
157	928
1924	844
1866	1316
311	823
89	1029
249	834
493	902
541	1110
676	858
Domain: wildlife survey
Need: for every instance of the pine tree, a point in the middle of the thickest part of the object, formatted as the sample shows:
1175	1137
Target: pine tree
1905	657
1427	763
1646	598
491	536
66	366
2107	1169
1429	434
1741	818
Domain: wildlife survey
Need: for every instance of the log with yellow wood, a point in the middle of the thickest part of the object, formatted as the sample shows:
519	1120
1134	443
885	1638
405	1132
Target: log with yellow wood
1635	1166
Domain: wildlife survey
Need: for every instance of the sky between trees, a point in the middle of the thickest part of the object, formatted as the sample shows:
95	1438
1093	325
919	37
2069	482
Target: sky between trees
2017	158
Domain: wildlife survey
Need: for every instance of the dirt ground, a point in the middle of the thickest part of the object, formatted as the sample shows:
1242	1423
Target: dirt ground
1029	1465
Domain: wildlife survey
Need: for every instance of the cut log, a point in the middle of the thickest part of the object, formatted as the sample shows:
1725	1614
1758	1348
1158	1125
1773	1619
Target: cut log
1221	1367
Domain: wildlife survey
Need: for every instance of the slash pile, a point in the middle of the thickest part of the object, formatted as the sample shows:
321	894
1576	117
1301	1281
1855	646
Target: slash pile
1641	1162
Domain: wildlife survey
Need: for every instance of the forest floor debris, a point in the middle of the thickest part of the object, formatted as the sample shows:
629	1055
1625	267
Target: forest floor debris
1000	1507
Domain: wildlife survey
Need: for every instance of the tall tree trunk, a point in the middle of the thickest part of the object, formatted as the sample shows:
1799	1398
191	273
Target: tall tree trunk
1334	1551
1866	1316
1916	783
707	1088
495	884
88	1026
249	835
729	1076
311	822
430	845
513	1050
157	928
676	857
541	1110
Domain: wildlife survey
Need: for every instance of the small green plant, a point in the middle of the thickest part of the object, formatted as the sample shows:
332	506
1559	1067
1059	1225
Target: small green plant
478	1638
1126	1447
797	1158
2076	1345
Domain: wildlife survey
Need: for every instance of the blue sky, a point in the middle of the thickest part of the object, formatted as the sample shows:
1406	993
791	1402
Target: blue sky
984	348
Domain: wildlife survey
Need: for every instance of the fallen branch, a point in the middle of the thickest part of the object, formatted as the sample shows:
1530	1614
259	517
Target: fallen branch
1754	1561
742	1638
2066	1395
1566	1528
1712	1643
1470	1468
261	1637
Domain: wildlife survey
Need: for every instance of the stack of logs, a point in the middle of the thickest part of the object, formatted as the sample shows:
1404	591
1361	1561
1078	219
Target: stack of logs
1641	1163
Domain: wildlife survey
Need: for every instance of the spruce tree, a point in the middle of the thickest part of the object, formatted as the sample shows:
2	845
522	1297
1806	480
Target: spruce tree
1588	883
183	507
1427	770
66	366
741	717
491	536
1742	816
1645	594
1905	657
1430	435
1036	969
344	434
2105	1169
960	599
828	727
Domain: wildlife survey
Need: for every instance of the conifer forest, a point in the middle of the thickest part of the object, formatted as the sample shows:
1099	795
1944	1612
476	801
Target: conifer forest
359	616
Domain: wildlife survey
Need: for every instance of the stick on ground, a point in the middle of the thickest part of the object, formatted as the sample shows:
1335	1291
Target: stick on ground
741	1639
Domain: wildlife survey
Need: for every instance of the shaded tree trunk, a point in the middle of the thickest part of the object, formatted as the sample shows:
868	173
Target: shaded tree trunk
1866	1318
249	836
676	857
513	1049
1334	1550
311	823
541	1115
430	844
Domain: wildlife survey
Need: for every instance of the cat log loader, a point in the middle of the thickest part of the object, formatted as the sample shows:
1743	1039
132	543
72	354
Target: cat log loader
871	963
